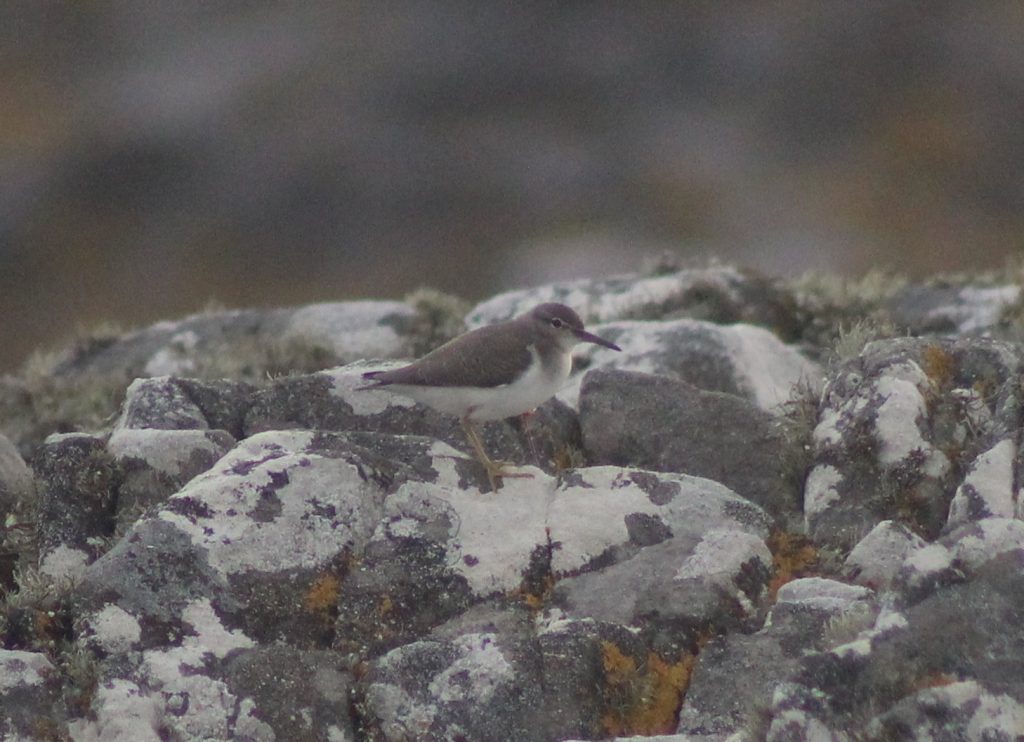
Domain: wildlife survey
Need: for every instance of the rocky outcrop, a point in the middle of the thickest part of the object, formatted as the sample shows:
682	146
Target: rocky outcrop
722	532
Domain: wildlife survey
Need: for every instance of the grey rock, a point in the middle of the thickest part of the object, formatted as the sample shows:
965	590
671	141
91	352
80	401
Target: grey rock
953	711
237	342
301	695
490	674
889	422
736	674
967	632
741	359
155	464
652	422
172	403
30	696
719	294
937	307
17	484
877	558
78	483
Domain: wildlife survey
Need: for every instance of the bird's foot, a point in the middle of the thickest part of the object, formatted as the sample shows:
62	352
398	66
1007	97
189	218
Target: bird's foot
498	470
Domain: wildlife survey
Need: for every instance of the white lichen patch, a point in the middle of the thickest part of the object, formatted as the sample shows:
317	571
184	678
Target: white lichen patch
876	559
163	450
921	564
18	668
64	563
818	592
721	553
902	406
270	505
586	519
122	711
194	705
821	489
990	482
494	533
476	674
987	539
114	630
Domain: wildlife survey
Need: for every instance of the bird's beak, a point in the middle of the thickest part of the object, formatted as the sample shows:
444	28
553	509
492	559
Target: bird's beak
585	337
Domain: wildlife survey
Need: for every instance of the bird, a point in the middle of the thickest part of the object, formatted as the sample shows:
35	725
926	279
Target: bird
494	372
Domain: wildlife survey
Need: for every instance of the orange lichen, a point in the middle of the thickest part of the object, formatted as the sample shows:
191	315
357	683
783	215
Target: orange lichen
644	698
939	365
793	556
322	596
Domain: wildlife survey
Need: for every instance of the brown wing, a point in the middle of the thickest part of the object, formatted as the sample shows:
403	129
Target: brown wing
478	358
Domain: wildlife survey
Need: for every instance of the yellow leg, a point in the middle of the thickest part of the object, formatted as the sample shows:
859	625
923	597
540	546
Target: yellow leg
495	469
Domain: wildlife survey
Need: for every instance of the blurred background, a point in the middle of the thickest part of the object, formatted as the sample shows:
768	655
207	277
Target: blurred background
157	156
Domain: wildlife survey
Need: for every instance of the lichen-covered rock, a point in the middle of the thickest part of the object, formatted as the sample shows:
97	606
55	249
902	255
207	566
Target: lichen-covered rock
30	698
497	674
308	560
969	632
878	557
633	419
176	403
744	360
945	307
235	342
77	496
898	427
724	696
720	294
154	464
622	534
301	695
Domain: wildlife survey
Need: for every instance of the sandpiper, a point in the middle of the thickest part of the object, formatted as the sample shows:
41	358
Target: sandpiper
493	372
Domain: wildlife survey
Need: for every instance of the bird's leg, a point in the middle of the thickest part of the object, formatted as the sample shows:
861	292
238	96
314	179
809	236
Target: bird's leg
495	469
525	419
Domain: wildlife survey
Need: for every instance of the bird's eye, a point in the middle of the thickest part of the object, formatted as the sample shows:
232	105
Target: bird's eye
555	322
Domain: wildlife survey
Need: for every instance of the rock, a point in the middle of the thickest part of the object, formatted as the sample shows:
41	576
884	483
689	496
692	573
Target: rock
300	695
30	699
77	497
719	294
154	464
743	360
269	529
439	549
877	558
491	675
897	426
16	481
962	633
252	342
633	419
724	696
174	403
937	307
963	710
